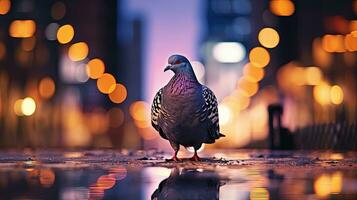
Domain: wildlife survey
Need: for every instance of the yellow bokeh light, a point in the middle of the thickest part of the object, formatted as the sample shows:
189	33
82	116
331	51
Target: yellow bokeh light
350	42
95	68
78	51
5	6
322	185
28	106
247	88
119	94
282	7
259	57
22	28
17	107
268	37
336	94
327	184
322	93
46	87
313	76
65	34
259	193
106	83
253	73
2	50
28	44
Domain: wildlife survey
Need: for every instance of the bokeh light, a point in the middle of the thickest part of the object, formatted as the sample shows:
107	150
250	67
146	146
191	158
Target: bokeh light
119	94
140	111
47	177
78	51
336	95
282	7
253	73
5	6
199	70
28	44
28	106
333	43
65	34
247	88
51	31
46	87
95	68
259	57
22	28
322	93
268	37
58	10
105	182
229	52
106	84
313	76
259	193
17	107
225	114
327	184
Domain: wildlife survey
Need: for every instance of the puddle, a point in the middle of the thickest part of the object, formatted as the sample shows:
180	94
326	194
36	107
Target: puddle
81	177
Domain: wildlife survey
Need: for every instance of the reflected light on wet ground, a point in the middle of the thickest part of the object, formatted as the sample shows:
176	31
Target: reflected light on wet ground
109	174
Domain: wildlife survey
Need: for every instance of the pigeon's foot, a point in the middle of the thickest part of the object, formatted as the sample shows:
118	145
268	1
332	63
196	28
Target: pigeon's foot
195	158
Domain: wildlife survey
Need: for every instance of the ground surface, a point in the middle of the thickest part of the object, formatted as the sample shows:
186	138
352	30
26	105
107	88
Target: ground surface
228	174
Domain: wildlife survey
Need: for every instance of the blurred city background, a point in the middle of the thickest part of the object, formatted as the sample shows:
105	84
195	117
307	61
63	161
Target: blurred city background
84	73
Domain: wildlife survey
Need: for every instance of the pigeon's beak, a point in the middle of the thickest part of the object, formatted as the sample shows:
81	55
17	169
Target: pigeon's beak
168	67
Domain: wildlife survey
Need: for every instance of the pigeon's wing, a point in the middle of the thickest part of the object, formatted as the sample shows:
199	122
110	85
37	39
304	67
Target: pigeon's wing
156	112
208	113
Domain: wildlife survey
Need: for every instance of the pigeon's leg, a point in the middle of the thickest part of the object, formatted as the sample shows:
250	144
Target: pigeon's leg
195	156
176	148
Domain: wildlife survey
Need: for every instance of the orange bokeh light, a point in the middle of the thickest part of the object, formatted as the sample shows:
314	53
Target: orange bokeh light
22	28
259	57
119	94
47	177
268	37
106	83
282	7
247	88
5	6
46	87
78	51
140	111
65	34
95	68
105	182
253	73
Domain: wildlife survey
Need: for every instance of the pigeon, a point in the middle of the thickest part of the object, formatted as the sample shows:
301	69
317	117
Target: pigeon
189	184
185	112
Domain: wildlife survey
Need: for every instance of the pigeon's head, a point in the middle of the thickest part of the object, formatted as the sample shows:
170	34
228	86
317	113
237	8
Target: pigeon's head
179	64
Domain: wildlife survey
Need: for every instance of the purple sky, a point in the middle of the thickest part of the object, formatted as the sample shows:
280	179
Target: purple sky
171	27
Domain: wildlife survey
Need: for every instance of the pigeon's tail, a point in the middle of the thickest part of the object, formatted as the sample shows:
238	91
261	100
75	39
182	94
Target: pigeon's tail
221	135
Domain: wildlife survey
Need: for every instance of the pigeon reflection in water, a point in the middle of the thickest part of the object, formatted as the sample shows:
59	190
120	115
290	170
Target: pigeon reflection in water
188	184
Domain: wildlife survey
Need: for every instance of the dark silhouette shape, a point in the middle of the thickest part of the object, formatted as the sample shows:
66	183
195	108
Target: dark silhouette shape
188	184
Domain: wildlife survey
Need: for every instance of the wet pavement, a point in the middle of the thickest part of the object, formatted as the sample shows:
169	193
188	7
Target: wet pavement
123	174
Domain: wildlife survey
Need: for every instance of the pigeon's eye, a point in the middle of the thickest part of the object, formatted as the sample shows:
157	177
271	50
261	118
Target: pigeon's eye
177	62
